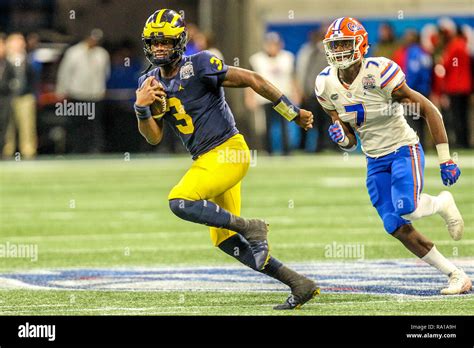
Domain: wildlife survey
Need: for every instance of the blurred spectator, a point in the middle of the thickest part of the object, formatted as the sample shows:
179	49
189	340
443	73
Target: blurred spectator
432	42
457	82
310	61
468	33
387	44
32	43
82	77
417	65
276	65
125	70
23	118
191	48
429	37
7	76
205	41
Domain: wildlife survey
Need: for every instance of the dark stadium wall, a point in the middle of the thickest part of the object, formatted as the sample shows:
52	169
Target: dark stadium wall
119	19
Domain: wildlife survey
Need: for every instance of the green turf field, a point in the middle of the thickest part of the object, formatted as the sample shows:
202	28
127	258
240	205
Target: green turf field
109	213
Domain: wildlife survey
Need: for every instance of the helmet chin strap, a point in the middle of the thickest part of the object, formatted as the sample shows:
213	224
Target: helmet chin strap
151	64
173	64
147	69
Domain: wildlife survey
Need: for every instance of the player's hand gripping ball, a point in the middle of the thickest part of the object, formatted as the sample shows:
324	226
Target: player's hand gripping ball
160	105
151	93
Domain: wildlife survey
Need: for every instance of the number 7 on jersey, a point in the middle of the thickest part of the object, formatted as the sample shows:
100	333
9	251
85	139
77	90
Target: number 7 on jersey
359	110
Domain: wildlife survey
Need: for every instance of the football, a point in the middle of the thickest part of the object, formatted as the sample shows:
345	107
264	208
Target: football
159	106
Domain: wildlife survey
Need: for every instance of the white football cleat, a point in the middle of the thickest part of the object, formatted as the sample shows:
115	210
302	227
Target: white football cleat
451	215
458	283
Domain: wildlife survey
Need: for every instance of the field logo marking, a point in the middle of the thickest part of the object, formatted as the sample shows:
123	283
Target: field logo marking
387	277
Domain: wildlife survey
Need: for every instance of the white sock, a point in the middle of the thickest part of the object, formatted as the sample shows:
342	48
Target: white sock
427	206
435	259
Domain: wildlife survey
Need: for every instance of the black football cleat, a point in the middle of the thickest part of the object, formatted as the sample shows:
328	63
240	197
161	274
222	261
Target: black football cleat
300	295
256	235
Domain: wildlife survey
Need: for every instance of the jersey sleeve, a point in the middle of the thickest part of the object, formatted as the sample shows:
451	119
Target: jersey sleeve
211	69
391	76
321	90
140	80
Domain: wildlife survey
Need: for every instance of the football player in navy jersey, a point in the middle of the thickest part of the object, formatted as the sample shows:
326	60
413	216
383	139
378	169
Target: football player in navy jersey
195	107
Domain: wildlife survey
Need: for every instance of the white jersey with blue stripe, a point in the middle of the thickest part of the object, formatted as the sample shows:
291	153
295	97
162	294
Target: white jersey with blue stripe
367	105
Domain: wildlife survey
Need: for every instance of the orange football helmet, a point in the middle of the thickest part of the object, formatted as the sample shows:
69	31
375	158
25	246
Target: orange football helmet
346	42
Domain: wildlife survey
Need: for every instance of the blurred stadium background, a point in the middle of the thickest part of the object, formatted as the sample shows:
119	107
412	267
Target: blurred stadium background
90	192
237	29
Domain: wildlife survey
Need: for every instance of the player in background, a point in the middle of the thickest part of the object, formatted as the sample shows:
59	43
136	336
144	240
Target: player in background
363	96
209	193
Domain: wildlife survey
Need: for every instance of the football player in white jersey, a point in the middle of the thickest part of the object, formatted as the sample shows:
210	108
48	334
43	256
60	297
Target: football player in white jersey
363	96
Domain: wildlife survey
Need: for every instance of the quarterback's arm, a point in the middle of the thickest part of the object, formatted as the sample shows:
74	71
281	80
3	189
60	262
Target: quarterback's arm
432	116
348	131
151	129
237	77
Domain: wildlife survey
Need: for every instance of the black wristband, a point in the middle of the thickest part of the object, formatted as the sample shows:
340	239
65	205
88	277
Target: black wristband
142	112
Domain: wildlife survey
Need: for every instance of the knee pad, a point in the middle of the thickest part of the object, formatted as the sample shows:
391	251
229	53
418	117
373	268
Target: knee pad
392	222
178	207
201	212
404	206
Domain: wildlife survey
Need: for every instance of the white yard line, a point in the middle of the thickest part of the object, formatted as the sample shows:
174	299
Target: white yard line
170	309
197	247
107	309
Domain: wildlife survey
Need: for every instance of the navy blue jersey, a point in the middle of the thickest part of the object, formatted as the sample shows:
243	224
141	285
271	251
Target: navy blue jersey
198	111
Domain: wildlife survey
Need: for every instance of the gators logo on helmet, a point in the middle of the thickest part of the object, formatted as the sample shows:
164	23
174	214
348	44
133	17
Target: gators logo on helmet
346	42
162	25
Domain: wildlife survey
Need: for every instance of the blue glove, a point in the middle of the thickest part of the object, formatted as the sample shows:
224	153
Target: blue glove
336	132
449	172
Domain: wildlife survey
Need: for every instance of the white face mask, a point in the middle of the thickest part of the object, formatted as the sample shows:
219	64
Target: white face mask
342	52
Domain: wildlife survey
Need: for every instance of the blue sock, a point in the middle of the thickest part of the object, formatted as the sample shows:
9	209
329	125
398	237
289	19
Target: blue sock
201	212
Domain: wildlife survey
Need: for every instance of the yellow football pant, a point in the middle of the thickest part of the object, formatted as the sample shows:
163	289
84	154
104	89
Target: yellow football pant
216	176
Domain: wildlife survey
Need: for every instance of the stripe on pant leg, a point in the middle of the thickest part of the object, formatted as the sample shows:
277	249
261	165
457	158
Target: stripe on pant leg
417	167
418	151
413	170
